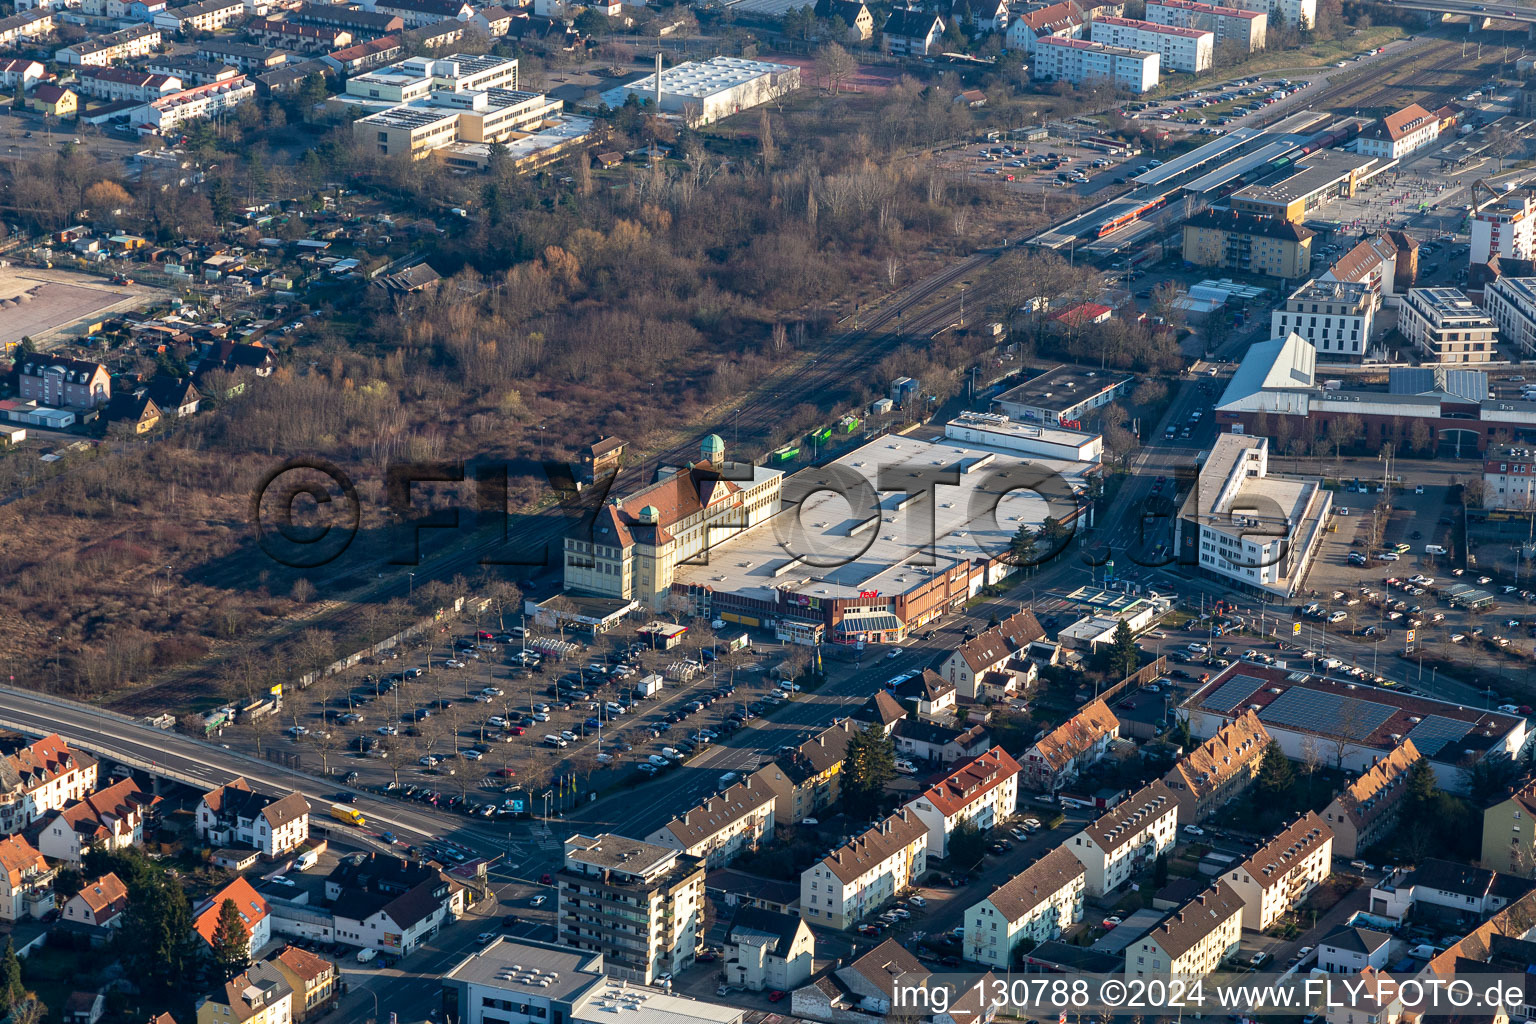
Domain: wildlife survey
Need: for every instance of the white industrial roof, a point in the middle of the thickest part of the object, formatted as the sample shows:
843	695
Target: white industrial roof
700	79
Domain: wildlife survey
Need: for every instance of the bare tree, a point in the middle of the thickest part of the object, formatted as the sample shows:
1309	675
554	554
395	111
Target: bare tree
835	66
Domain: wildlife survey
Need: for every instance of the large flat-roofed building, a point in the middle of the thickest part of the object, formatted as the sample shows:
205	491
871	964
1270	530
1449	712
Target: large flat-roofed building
1245	527
1400	133
408	131
702	92
1444	326
1354	726
1506	229
1179	49
641	543
1257	245
1335	317
1233	26
1315	179
1077	61
1511	302
638	904
1053	442
874	575
1065	395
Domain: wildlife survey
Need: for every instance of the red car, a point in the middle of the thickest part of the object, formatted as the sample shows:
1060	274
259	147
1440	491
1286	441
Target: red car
483	635
518	730
506	773
775	995
546	879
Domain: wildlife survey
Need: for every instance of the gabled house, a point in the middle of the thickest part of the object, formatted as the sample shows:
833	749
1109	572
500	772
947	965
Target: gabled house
41	777
867	986
176	396
867	871
1130	835
1274	880
253	914
722	827
765	950
1062	21
929	695
26	881
1193	940
259	996
1350	950
909	32
990	651
110	819
133	412
808	778
314	981
852	13
1036	905
984	790
1060	755
942	744
390	904
980	15
1369	807
234	815
1219	769
98	906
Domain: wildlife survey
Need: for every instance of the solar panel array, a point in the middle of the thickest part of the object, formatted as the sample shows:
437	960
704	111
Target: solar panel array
1232	693
1432	734
1326	712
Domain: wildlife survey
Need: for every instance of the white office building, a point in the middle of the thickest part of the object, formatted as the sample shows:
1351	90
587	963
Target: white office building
1181	49
1335	316
1078	61
1399	134
1506	229
1243	29
1250	528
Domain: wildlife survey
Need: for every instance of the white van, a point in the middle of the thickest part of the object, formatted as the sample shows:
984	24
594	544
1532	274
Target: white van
366	954
1434	549
556	741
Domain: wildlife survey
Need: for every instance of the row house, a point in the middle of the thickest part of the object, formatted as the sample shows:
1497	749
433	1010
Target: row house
195	104
1369	808
127	44
359	57
1058	757
253	910
722	827
808	778
25	26
1193	940
990	651
116	84
235	815
984	791
207	16
362	24
1036	905
290	35
1219	769
26	881
42	777
1278	877
866	872
16	71
110	819
1116	845
419	13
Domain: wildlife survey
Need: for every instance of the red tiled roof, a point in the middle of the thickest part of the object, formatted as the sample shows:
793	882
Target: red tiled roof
969	783
253	909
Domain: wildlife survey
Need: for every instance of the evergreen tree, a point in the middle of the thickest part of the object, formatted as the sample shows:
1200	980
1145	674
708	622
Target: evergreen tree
12	991
1421	785
1124	657
967	844
157	935
1021	549
1052	537
1275	775
868	765
231	941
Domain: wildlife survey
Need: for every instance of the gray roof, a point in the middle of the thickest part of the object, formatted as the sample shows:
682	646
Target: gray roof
1469	385
756	921
520	965
1356	940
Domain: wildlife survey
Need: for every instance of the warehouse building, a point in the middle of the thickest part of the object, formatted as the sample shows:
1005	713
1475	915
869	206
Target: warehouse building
1444	326
1232	26
1077	61
1050	441
1242	241
1357	725
1180	49
1065	395
1312	181
1333	316
702	92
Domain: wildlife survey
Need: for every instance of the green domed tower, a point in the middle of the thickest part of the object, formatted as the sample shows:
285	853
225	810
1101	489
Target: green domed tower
714	450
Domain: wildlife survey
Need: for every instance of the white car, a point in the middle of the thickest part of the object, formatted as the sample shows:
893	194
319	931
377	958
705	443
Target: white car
471	755
427	761
894	652
453	663
387	730
297	730
1457	638
1483	580
1193	830
496	722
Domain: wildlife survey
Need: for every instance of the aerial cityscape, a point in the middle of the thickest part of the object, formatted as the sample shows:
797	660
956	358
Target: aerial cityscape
767	512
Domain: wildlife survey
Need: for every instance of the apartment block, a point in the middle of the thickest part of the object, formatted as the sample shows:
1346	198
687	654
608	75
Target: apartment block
1284	13
866	872
1509	478
1278	877
638	904
1180	49
1370	807
1443	326
1193	940
126	44
1035	905
1056	758
42	777
1244	30
117	84
1511	303
1336	317
1081	61
208	16
1127	837
984	791
1221	768
722	827
1258	245
1506	228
